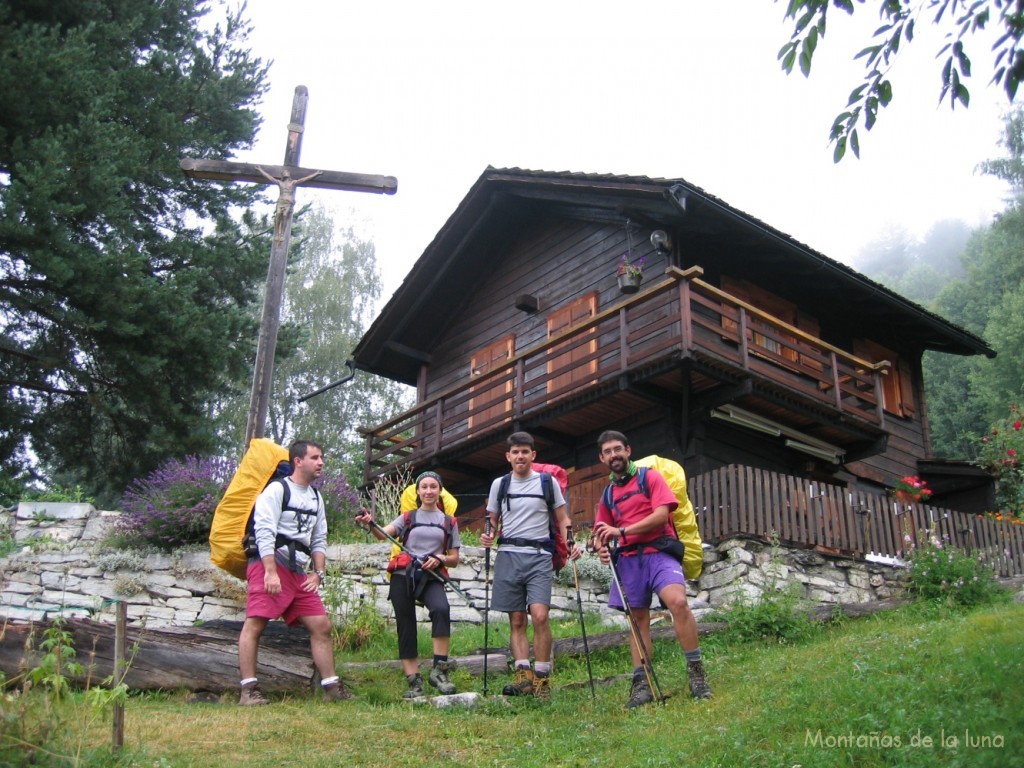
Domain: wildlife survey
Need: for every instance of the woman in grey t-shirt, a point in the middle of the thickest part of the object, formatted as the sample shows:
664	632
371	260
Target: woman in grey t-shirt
431	539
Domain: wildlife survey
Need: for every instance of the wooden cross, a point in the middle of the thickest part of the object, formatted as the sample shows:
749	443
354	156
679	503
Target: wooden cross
287	177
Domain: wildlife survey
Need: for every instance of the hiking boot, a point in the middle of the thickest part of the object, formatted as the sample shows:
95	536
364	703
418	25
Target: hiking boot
699	687
336	692
439	678
641	693
522	683
415	686
252	696
542	687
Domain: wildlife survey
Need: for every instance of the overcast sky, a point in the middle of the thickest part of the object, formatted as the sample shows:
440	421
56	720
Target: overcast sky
434	92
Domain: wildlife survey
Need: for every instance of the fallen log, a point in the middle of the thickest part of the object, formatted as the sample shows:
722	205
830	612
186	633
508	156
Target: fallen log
205	658
201	658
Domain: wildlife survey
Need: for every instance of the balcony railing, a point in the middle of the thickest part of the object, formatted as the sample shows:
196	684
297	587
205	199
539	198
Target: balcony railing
744	501
679	317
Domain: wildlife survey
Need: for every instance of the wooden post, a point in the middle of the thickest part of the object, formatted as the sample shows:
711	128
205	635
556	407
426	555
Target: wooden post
287	177
120	649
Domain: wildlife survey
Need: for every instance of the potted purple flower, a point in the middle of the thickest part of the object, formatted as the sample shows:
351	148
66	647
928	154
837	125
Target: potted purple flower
631	273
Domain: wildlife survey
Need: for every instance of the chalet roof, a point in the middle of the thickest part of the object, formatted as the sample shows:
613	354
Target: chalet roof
504	200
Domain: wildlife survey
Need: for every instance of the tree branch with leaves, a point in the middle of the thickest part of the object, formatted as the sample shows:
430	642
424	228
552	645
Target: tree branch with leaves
961	18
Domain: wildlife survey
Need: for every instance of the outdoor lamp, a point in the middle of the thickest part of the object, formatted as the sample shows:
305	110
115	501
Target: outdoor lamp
660	240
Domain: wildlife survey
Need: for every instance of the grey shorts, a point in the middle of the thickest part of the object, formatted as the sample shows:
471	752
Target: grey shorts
521	580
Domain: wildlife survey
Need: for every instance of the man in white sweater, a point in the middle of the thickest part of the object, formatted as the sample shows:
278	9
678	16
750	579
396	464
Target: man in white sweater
291	533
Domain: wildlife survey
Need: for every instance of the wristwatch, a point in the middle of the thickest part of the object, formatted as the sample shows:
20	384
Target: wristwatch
321	575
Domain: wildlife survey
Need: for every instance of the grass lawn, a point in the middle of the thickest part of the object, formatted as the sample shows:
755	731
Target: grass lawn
920	686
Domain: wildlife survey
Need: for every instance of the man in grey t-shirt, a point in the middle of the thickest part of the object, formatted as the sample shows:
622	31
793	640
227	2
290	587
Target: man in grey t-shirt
523	570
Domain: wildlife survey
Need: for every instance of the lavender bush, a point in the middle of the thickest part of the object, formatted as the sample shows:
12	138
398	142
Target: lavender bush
342	503
174	505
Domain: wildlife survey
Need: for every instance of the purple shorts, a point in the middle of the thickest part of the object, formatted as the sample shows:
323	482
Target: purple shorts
291	604
644	575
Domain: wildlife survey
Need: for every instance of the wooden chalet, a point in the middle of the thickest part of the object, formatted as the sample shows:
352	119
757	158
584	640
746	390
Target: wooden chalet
743	348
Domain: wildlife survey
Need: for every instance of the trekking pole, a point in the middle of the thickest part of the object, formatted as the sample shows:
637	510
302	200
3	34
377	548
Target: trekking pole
583	627
634	628
487	598
435	574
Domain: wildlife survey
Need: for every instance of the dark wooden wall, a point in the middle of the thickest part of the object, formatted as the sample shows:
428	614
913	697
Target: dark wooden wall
559	261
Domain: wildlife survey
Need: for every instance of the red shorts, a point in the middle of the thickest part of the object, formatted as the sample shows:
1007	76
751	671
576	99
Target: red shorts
291	604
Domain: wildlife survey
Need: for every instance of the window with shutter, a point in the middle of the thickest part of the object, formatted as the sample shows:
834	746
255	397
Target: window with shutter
897	384
492	400
572	362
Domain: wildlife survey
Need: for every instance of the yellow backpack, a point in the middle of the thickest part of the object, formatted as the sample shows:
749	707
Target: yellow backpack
228	529
684	518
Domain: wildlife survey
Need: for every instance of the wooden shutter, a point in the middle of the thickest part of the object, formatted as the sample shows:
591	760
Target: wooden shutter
490	401
569	359
786	311
897	384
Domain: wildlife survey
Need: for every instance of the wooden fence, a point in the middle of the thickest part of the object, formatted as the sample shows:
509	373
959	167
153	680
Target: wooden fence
743	501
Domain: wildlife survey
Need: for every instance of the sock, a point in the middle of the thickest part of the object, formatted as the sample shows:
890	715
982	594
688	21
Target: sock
522	663
692	656
248	681
542	668
329	681
438	659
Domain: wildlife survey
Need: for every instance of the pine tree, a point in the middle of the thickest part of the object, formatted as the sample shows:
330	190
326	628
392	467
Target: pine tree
123	286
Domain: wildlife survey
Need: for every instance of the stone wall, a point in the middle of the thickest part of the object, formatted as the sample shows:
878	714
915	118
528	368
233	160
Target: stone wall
62	567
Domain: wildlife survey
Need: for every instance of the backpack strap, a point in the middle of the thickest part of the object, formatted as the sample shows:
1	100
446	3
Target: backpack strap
547	487
286	498
503	487
447	526
641	480
547	493
410	521
249	540
613	504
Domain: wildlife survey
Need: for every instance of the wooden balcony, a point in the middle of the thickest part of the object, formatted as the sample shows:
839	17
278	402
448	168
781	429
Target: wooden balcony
743	501
681	340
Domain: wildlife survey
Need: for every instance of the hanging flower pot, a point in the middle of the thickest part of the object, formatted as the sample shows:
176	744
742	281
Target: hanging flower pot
631	273
629	282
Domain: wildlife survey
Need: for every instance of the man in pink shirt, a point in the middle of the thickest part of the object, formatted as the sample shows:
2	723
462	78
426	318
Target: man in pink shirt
640	520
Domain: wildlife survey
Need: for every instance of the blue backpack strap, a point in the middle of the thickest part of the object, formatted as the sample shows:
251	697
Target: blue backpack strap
641	481
548	489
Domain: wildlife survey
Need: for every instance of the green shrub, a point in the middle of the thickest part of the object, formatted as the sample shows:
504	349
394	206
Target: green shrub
7	542
775	616
1000	452
589	567
42	721
941	572
357	623
60	494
